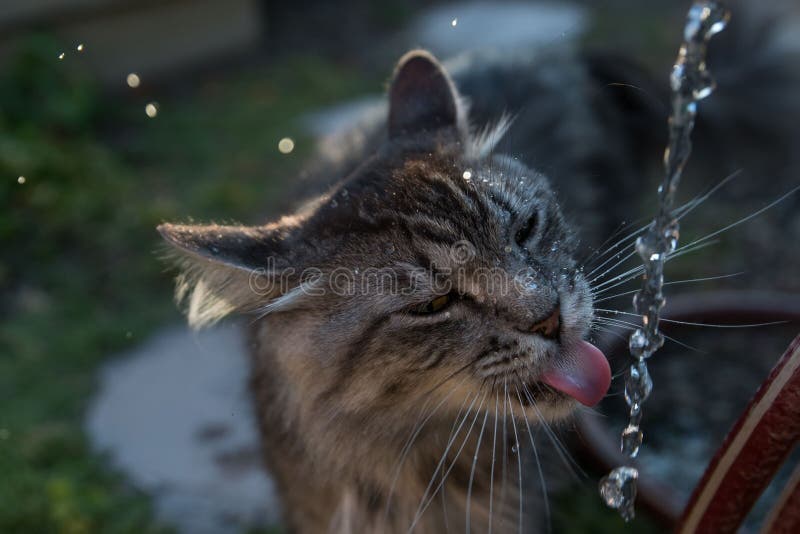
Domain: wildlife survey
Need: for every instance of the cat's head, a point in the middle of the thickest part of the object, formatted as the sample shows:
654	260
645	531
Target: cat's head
438	271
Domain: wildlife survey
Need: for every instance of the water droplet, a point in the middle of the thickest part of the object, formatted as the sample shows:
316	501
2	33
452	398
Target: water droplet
467	175
515	448
646	246
151	109
21	180
705	19
690	82
61	55
79	48
285	145
638	384
671	235
630	441
618	490
637	342
704	85
454	22
133	80
507	248
678	74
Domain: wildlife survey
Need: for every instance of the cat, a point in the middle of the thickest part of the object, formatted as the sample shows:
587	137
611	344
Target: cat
416	320
478	305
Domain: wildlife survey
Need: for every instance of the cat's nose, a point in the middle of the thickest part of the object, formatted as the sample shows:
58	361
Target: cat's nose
548	327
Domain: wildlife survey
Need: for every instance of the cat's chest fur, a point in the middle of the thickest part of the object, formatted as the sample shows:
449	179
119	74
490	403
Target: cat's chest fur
344	472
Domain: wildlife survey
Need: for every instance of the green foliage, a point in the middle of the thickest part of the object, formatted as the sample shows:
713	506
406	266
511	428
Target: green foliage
580	511
80	276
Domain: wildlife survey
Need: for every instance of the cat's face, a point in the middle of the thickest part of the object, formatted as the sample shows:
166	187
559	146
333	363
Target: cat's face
438	273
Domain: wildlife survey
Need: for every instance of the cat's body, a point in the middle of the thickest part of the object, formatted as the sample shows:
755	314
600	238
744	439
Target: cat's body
418	321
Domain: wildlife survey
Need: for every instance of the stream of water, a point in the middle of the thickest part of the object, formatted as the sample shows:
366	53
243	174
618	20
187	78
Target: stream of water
690	82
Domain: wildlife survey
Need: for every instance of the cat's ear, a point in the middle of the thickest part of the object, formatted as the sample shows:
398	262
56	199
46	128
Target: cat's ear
245	248
422	97
226	269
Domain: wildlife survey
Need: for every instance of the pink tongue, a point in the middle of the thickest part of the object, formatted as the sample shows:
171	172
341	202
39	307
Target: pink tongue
583	374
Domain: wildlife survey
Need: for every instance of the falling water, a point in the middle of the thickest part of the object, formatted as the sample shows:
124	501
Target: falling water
690	82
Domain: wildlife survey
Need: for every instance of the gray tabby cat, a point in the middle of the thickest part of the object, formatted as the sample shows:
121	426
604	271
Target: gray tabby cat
436	283
418	322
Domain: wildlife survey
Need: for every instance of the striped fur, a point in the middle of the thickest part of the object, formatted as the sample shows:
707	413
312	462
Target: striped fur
343	376
344	379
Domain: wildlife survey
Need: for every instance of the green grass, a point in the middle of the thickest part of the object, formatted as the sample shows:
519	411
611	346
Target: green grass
80	278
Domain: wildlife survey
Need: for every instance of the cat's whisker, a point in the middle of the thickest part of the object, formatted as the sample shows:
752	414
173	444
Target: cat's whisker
504	457
633	326
706	240
450	441
618	374
518	453
618	280
424	504
674	282
619	262
689	323
696	244
679	212
494	448
747	218
610	331
636	271
628	241
545	497
569	462
687	208
418	429
472	471
607	249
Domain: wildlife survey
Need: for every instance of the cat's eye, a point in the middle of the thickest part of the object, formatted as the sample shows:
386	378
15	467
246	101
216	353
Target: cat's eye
524	233
436	305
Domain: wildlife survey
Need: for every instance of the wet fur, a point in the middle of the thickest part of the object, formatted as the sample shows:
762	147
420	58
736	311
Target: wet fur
341	382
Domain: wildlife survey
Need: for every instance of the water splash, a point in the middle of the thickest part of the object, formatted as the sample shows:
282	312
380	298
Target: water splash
151	110
690	82
286	145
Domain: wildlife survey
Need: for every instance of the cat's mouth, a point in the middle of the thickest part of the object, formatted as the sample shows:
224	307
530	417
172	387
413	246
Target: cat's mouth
580	372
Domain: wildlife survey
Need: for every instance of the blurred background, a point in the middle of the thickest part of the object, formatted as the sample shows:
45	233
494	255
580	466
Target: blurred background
116	115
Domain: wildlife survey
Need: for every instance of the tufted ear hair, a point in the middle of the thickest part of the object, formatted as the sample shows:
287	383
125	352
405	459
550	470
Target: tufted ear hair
422	97
226	269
